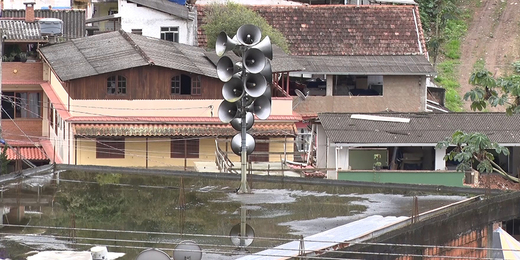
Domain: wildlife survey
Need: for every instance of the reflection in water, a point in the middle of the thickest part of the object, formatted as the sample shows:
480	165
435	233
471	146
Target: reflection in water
132	213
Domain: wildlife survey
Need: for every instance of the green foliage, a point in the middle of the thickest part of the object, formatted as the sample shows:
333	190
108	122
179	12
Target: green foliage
229	17
516	66
109	178
447	78
3	161
473	149
504	91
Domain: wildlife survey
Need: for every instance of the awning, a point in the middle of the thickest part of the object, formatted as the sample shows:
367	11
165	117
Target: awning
166	130
28	153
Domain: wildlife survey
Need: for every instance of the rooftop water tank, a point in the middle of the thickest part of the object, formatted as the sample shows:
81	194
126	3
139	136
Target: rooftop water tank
51	26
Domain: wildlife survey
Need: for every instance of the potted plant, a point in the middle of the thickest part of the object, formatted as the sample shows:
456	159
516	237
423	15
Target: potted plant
22	56
377	163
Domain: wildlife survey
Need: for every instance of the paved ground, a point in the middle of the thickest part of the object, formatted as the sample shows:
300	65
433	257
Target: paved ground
258	168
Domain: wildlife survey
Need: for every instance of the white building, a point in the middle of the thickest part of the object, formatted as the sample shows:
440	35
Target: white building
153	18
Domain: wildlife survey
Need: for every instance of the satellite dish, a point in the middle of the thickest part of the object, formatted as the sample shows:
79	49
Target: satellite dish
300	94
153	254
187	250
234	234
301	97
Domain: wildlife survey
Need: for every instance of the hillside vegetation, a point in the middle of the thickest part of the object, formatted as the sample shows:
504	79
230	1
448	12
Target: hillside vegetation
464	35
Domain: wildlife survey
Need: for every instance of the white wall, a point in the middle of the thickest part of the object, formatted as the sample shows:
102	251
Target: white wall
151	21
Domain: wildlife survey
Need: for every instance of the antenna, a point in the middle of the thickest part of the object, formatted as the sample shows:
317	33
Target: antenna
301	96
187	250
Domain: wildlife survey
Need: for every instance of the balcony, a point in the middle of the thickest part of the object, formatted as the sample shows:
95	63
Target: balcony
22	72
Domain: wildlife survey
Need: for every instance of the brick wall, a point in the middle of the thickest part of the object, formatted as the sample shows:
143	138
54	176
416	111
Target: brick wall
22	71
31	128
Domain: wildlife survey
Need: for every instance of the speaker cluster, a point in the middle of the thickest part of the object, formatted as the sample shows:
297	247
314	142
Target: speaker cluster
247	83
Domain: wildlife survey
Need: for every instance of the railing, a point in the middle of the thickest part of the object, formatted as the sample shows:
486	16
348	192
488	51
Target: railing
224	164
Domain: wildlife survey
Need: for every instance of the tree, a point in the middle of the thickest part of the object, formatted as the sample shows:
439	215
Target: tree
230	16
502	91
473	148
3	160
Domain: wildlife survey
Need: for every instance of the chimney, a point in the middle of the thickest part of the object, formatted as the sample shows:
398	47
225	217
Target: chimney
29	12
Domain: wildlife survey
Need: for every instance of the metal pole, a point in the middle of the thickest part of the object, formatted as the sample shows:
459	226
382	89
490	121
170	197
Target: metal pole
243	155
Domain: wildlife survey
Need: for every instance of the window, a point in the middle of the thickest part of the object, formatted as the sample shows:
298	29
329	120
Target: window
137	31
170	34
182	148
358	85
116	85
185	85
195	85
176	85
110	148
21	105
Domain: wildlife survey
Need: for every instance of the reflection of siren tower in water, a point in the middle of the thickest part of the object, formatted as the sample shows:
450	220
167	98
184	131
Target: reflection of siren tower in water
247	88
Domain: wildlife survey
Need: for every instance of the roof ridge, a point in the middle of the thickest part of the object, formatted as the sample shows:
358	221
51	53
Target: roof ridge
136	47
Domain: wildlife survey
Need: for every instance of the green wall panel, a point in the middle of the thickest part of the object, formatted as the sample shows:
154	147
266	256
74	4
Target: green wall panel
446	178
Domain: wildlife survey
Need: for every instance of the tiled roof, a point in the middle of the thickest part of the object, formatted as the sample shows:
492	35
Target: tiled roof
161	130
73	19
20	30
367	65
423	128
208	120
29	153
114	51
336	30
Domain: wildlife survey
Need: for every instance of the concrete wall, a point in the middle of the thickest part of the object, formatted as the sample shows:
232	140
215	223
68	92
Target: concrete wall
400	94
159	153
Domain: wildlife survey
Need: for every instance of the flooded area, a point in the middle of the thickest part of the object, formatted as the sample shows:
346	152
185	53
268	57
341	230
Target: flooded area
130	213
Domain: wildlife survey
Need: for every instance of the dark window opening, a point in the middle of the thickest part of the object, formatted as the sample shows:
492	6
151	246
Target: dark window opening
358	85
170	34
181	148
21	105
116	85
110	148
137	31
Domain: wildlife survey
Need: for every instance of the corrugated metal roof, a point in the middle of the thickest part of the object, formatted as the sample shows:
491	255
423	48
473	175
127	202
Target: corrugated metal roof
73	20
328	240
29	153
114	51
158	130
367	65
166	7
422	128
20	30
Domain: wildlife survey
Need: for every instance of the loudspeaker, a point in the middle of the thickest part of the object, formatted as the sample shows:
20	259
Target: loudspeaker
233	90
226	68
236	144
255	85
262	107
224	44
248	35
236	123
267	72
254	60
265	47
227	111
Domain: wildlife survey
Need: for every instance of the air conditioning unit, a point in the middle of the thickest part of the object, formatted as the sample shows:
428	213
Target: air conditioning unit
51	26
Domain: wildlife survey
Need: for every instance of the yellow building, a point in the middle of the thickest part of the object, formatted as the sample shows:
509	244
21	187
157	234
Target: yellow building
122	99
